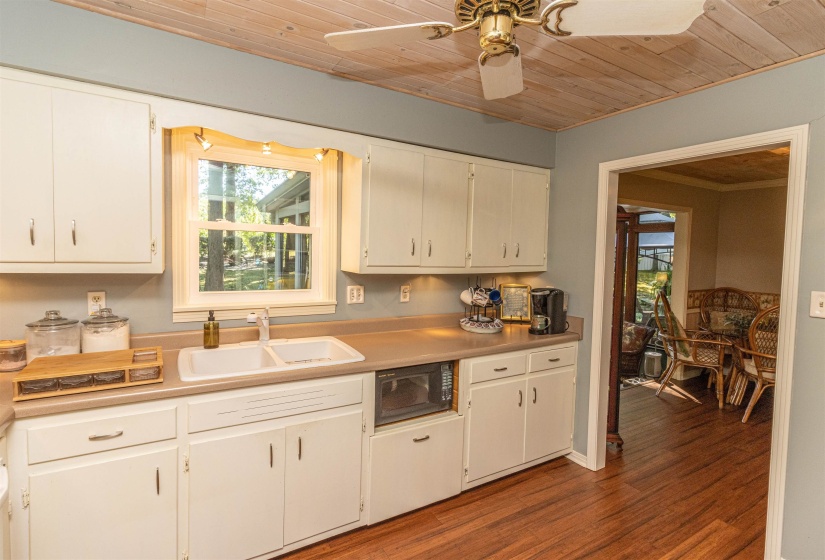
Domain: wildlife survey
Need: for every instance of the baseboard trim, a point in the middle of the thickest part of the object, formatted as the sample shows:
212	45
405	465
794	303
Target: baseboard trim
577	458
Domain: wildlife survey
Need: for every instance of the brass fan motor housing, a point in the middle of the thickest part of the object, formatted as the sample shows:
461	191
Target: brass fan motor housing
496	33
468	11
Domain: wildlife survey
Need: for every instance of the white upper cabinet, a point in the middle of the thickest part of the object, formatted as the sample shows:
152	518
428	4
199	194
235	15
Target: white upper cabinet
408	209
78	189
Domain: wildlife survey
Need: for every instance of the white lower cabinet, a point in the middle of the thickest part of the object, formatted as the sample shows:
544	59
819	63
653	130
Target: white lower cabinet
517	420
236	496
323	475
117	508
413	466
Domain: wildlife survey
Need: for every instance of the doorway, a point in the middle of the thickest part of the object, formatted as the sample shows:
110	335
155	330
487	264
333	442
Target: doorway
796	138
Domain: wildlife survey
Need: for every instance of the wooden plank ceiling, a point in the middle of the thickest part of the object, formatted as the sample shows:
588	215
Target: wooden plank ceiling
569	81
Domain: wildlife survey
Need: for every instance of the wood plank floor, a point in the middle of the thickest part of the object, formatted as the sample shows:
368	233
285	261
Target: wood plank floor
691	482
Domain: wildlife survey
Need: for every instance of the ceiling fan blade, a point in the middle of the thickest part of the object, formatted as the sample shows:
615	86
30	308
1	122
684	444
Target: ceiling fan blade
624	17
392	35
500	75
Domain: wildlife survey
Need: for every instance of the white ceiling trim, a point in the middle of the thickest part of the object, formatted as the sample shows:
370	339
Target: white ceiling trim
710	185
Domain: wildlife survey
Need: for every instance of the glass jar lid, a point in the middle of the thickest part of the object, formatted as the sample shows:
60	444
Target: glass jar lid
11	344
104	317
52	320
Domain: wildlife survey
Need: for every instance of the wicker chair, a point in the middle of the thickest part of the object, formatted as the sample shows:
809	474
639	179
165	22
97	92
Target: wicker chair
692	348
759	361
719	303
634	341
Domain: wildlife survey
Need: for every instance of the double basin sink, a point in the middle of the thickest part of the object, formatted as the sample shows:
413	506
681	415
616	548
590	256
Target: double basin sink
251	358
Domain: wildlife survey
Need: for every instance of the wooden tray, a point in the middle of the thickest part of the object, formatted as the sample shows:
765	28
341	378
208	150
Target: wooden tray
59	367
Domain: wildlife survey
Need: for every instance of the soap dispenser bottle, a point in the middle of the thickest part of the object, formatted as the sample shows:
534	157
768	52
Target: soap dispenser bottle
211	332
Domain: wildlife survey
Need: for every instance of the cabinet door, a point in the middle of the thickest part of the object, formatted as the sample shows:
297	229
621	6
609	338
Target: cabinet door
495	429
549	421
236	496
444	216
396	179
323	476
491	206
528	230
26	205
121	508
101	179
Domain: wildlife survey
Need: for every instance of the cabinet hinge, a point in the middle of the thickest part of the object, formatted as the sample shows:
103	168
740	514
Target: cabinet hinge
362	504
9	509
184	556
186	463
471	175
26	498
469	254
154	246
368	157
364	425
365	252
466	471
469	403
152	123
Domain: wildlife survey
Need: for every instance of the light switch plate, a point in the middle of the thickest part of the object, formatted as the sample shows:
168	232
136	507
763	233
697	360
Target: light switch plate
818	305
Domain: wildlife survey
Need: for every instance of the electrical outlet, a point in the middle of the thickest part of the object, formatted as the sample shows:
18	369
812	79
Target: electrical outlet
95	301
818	305
355	294
405	293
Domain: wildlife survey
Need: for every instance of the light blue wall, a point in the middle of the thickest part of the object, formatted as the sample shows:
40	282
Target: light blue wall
784	97
56	39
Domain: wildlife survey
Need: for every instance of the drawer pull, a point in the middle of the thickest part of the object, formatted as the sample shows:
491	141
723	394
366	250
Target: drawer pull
299	449
106	436
554	360
157	480
535	395
520	397
271	456
500	369
420	439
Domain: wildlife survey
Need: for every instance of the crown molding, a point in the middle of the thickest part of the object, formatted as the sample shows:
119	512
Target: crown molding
710	185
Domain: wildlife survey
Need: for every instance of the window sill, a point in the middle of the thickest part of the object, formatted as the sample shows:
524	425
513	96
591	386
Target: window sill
223	313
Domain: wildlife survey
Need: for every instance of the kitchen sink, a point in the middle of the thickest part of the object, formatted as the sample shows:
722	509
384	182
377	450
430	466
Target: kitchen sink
231	360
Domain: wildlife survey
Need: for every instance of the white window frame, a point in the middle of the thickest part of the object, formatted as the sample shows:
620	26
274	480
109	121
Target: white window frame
189	304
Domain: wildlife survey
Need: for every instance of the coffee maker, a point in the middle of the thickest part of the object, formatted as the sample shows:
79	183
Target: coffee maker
549	308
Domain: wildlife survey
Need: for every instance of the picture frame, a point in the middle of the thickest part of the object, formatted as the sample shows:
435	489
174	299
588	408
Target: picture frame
515	303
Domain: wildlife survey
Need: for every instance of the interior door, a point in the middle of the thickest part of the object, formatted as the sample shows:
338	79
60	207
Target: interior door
323	476
102	189
492	200
236	496
495	428
444	215
528	229
549	421
26	187
396	184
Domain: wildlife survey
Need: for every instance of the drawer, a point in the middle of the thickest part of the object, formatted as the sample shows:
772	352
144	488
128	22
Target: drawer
255	407
81	438
497	367
413	467
553	358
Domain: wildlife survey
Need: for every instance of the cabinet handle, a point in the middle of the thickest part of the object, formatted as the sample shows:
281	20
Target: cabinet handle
74	233
299	449
554	359
535	395
418	439
413	246
270	456
31	230
518	249
430	248
157	480
106	436
504	256
520	397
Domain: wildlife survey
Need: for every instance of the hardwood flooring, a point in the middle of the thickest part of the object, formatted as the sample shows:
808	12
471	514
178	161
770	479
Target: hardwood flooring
691	482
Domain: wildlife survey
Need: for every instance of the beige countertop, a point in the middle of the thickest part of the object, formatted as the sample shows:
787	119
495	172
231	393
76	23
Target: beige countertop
385	344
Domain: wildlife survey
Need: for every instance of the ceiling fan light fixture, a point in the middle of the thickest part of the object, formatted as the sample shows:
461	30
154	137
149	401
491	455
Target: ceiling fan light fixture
205	144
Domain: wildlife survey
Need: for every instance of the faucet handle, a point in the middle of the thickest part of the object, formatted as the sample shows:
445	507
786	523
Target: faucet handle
266	314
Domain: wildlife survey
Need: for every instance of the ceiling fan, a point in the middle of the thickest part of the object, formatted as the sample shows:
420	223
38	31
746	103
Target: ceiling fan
500	62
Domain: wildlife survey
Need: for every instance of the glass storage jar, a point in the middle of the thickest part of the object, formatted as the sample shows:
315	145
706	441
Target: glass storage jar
52	335
12	355
104	332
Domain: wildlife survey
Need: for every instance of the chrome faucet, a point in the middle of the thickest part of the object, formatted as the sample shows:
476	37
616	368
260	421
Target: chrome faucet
262	321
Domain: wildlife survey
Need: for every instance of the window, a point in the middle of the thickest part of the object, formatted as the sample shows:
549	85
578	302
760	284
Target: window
251	229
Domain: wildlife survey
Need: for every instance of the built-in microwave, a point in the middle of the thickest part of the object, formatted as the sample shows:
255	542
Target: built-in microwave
408	392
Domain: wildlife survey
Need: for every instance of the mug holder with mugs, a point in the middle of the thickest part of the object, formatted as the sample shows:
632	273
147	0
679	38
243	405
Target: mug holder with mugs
482	310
